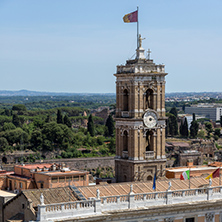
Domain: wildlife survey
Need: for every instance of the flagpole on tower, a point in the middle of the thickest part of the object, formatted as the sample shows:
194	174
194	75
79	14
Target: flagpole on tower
137	27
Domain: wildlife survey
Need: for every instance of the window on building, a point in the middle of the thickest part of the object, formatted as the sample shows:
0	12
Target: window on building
75	178
81	178
20	185
23	206
54	179
190	219
41	185
68	179
125	141
125	100
61	179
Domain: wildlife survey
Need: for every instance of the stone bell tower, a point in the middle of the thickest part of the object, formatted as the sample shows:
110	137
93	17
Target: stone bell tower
140	119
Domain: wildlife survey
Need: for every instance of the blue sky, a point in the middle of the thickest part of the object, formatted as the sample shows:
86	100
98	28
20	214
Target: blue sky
74	46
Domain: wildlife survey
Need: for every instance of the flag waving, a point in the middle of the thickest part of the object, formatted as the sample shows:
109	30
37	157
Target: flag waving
154	182
131	17
185	175
216	173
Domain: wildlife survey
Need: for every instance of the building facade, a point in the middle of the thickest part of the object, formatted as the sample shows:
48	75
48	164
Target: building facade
140	119
127	202
35	176
211	111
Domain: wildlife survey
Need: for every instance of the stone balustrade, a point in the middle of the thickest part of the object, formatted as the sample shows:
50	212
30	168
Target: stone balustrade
141	69
125	154
98	205
125	114
149	154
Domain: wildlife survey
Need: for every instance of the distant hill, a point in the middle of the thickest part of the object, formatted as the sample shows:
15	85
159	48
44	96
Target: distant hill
36	93
184	94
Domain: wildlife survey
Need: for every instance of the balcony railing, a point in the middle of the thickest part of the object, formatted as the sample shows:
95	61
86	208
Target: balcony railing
149	154
67	210
125	113
125	154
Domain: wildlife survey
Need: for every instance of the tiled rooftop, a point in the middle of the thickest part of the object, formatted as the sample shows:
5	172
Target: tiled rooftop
34	166
19	177
51	195
215	164
180	144
145	187
58	172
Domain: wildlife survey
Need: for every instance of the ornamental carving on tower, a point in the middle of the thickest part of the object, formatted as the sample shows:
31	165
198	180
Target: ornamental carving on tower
209	217
169	219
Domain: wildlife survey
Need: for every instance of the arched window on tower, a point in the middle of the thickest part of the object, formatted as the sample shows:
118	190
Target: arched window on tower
149	178
149	141
125	141
149	100
125	100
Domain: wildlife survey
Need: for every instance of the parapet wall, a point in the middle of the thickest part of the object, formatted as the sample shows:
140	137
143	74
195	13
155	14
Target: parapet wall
99	205
84	163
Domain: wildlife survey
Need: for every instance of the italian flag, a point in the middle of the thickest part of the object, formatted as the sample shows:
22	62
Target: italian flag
185	175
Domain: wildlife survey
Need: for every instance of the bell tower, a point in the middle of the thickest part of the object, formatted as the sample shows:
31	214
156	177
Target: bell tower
140	118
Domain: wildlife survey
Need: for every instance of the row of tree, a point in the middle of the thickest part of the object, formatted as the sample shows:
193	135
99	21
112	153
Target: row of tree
172	125
50	131
193	132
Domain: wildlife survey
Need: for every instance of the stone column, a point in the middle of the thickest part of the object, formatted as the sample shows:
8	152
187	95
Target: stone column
120	100
133	98
136	103
169	197
155	144
135	144
155	101
158	147
41	213
163	99
117	142
130	151
141	102
120	142
97	205
117	99
158	97
138	144
163	143
130	99
131	200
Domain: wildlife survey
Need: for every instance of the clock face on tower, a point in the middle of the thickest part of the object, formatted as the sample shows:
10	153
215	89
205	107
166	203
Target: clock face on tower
150	119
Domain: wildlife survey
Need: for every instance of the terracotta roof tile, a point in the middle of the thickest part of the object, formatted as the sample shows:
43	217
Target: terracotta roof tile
34	166
51	195
215	164
145	187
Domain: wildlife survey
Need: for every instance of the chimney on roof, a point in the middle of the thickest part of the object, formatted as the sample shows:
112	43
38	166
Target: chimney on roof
54	167
190	162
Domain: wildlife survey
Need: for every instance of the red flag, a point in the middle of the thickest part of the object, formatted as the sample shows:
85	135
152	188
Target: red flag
216	173
131	17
